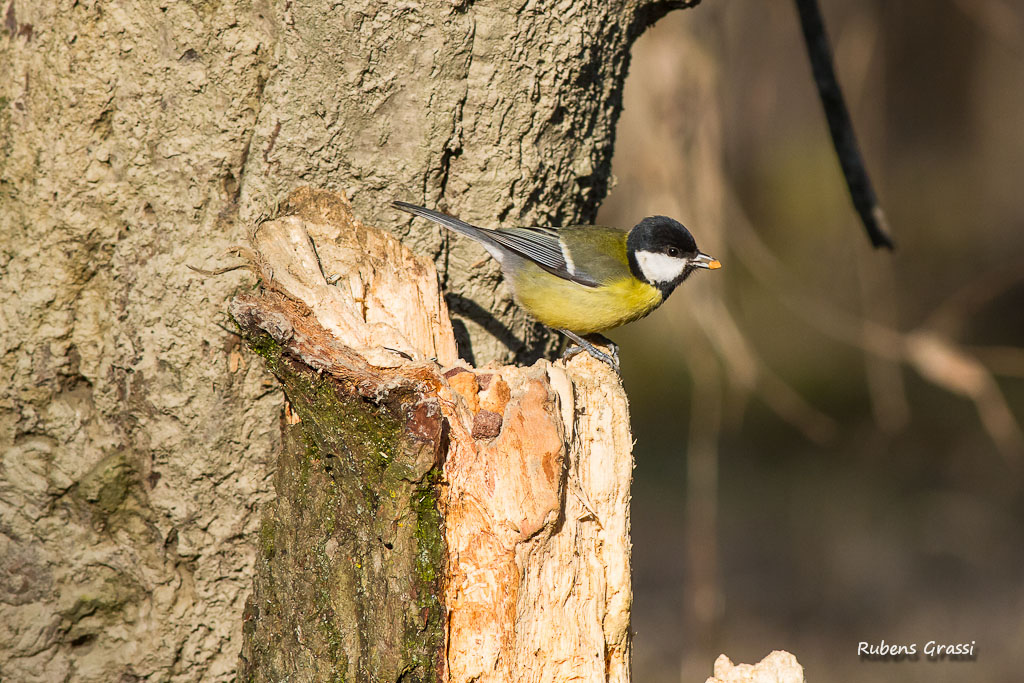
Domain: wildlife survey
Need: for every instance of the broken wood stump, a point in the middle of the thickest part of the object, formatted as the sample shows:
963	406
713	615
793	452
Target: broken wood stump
433	521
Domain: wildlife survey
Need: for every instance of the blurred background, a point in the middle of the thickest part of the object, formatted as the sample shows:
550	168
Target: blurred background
828	437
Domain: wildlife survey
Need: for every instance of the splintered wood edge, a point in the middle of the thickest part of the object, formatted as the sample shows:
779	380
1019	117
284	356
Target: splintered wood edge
289	324
360	283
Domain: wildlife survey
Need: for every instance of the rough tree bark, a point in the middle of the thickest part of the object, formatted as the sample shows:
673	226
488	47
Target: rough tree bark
136	137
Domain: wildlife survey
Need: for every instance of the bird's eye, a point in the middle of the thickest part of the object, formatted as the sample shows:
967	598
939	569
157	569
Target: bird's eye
673	252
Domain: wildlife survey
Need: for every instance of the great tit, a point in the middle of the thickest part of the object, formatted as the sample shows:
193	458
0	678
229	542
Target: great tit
583	280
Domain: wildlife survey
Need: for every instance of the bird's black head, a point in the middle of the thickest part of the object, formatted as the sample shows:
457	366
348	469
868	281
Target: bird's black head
662	253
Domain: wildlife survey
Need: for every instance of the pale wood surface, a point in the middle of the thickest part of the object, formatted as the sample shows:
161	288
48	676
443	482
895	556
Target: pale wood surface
777	667
361	284
537	526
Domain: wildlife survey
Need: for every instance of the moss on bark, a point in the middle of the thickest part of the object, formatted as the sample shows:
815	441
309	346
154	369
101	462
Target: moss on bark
352	549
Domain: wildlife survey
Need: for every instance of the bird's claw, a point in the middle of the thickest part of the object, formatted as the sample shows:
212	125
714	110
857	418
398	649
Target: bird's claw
581	344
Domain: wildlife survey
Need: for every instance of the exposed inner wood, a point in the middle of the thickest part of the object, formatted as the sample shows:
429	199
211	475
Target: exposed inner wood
535	462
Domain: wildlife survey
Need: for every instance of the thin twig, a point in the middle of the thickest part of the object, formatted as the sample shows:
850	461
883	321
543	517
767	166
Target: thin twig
218	271
751	373
1005	361
884	376
840	126
703	611
931	352
237	250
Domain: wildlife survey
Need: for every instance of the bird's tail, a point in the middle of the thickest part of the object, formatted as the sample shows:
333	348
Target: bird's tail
461	227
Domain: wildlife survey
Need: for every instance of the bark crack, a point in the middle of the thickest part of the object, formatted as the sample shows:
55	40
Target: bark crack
453	145
261	86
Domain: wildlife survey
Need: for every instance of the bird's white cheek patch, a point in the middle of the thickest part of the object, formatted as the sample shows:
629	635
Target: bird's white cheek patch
660	267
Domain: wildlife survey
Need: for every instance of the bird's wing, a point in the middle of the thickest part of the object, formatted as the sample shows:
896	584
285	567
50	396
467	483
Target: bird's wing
595	252
542	246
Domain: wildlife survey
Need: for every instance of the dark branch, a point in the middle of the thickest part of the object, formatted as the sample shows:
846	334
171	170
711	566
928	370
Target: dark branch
649	12
840	125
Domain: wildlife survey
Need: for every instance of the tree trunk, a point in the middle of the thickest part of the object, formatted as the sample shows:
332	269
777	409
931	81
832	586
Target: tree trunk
432	521
136	137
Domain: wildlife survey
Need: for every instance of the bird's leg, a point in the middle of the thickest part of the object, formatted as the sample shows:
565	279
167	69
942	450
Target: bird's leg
583	344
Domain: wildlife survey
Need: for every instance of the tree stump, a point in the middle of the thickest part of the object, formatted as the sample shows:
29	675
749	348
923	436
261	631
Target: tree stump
433	521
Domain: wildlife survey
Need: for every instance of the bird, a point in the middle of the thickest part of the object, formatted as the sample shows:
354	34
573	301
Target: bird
585	280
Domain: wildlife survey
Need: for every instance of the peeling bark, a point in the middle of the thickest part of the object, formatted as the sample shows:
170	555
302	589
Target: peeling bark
348	580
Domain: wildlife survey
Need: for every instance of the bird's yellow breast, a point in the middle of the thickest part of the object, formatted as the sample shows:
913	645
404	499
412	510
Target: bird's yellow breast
567	305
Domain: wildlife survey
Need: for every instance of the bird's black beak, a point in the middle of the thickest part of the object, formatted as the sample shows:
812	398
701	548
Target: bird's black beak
702	260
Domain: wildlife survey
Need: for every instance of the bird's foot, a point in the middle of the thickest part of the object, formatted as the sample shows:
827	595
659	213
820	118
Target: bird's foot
582	344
